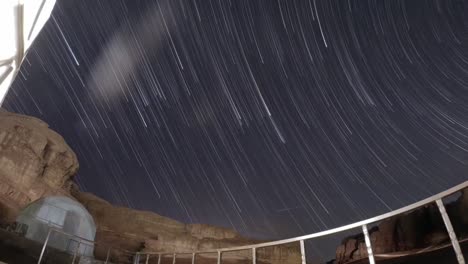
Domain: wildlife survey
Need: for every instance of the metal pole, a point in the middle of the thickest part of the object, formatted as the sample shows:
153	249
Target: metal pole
193	258
147	259
159	258
370	254
451	233
68	244
107	256
219	257
173	258
303	255
76	251
44	246
136	259
254	256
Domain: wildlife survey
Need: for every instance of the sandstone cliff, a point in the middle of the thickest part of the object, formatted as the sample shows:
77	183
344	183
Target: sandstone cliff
142	231
36	162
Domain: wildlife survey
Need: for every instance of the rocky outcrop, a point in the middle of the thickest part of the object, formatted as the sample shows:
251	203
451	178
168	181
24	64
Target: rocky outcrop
34	162
421	228
134	230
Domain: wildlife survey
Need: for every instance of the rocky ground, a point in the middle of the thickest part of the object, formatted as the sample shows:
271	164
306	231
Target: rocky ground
439	255
18	250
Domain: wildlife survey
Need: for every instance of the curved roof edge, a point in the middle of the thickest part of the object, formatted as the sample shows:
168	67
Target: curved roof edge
20	23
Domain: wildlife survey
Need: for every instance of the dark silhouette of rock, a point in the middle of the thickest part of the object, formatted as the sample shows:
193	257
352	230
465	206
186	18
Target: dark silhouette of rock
418	229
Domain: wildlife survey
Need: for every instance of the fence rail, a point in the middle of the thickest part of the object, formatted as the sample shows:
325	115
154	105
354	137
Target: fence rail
80	241
435	199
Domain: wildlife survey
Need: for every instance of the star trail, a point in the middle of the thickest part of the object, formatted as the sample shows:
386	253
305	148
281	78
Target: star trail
275	118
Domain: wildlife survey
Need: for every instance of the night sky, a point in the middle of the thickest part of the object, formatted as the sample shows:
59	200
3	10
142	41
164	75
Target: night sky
275	118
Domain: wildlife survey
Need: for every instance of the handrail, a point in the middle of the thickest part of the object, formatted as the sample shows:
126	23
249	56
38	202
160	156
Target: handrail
333	230
436	199
80	240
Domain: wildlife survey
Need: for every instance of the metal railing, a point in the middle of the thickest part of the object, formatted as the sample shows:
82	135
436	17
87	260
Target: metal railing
435	199
80	242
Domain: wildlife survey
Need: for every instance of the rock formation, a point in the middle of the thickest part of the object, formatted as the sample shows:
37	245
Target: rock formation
36	162
141	231
418	229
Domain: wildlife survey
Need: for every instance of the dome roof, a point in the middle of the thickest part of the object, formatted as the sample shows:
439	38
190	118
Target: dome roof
61	213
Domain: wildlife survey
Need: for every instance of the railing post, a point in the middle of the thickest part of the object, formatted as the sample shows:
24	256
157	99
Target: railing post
173	258
254	256
107	255
219	257
76	251
44	246
303	255
136	259
147	258
68	244
370	254
193	258
451	232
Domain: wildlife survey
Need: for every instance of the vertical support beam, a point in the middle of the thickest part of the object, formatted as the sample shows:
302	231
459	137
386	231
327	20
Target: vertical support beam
159	258
136	258
147	259
219	257
76	251
254	256
193	258
370	254
451	232
107	255
303	255
68	245
173	258
44	246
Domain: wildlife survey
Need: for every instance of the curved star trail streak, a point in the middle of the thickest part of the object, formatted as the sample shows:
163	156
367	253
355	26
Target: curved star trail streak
276	118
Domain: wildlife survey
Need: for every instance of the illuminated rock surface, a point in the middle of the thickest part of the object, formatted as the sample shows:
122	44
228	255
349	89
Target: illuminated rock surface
34	162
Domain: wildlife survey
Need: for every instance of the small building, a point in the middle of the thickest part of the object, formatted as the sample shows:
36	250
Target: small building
63	214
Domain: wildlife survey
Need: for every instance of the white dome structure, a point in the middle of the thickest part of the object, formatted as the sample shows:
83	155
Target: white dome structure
64	214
